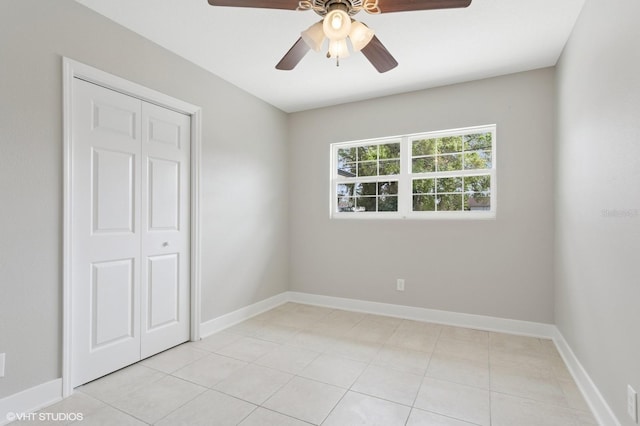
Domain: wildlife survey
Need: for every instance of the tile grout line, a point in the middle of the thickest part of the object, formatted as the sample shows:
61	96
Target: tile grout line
344	335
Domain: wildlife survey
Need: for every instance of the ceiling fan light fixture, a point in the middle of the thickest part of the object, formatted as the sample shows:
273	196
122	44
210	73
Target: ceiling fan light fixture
360	35
314	36
338	49
337	24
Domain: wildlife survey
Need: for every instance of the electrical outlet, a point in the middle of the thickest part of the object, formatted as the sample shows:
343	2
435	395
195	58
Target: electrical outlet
632	403
400	284
2	358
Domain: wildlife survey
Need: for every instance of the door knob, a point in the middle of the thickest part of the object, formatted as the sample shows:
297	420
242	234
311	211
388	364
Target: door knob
165	244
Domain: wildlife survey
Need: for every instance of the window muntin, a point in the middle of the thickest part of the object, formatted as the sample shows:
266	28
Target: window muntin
451	153
465	193
367	177
368	196
380	159
448	174
450	169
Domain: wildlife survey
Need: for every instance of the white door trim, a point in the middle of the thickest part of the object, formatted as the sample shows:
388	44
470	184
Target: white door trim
73	69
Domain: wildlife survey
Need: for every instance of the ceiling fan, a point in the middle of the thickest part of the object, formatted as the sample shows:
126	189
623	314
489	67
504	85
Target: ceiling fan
338	26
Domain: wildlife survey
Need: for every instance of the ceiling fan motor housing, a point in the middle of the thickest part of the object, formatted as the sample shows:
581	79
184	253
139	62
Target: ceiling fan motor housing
322	7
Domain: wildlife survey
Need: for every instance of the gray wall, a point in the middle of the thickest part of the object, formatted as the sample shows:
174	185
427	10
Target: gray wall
252	227
598	197
244	229
501	267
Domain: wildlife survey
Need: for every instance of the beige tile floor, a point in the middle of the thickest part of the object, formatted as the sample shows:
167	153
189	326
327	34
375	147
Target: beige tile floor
300	364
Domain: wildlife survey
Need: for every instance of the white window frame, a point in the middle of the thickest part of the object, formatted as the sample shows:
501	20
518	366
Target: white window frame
405	178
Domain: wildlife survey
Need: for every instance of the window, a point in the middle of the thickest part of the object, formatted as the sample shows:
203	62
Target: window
369	177
448	174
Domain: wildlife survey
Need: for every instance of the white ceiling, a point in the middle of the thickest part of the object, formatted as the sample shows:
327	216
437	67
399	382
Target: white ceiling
433	48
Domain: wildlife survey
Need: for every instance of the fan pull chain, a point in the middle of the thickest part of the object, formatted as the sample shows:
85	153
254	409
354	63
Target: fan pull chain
337	59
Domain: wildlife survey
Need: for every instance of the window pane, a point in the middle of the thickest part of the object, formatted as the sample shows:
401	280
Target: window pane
452	184
477	141
389	167
477	184
367	169
423	165
477	160
366	189
450	144
387	188
346	161
424	186
347	169
423	147
367	204
346	204
345	189
448	163
477	202
368	152
388	203
450	202
389	150
346	155
345	196
424	203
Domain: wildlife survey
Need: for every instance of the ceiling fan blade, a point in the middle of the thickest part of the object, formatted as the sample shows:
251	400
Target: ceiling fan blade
387	6
379	56
293	56
264	4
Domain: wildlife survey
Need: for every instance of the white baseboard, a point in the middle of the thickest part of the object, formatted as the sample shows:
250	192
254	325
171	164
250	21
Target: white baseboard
210	327
30	400
599	407
479	322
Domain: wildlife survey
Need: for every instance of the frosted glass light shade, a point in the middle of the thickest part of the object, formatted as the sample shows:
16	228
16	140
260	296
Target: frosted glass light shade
360	35
338	48
336	24
314	36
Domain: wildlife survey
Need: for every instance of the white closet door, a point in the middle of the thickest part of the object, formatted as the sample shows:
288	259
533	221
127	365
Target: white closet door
165	228
106	231
130	231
